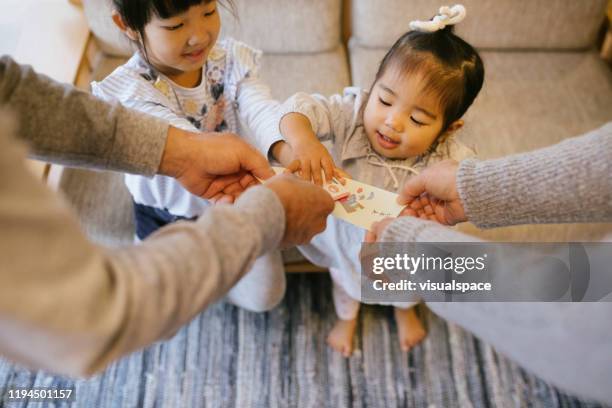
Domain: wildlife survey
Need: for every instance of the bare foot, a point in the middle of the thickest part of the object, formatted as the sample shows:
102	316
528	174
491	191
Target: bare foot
340	337
410	331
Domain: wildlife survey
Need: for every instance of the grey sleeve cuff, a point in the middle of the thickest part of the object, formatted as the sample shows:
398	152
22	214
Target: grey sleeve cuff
139	143
474	195
265	210
487	200
548	185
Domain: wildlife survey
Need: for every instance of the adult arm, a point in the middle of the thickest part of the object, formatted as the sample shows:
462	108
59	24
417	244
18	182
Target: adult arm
64	125
72	307
68	126
566	182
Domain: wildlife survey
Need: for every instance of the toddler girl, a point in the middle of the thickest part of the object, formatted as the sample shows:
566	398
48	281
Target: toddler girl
383	136
182	74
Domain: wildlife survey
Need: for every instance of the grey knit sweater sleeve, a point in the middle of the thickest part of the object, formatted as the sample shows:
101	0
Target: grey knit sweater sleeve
69	306
568	182
68	126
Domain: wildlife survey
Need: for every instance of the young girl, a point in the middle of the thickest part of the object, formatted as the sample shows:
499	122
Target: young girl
383	136
182	74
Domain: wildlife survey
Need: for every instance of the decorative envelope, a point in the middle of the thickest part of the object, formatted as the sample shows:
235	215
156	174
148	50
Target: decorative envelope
359	203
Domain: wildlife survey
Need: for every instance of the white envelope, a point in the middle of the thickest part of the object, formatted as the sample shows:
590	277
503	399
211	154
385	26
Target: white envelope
365	205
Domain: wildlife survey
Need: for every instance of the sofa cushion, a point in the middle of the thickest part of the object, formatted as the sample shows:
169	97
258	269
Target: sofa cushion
509	24
529	100
324	72
274	26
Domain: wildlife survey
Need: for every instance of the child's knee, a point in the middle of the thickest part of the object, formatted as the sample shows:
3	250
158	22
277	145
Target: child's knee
263	303
263	287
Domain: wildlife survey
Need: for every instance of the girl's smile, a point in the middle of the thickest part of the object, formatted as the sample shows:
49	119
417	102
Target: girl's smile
195	56
401	120
386	142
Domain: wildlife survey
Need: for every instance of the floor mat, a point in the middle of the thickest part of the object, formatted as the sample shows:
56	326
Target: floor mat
227	357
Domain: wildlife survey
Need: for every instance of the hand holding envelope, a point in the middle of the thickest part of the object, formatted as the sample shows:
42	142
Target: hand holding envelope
358	203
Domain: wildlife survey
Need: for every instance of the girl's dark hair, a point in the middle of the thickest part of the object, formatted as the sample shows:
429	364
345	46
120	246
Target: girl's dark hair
451	68
137	13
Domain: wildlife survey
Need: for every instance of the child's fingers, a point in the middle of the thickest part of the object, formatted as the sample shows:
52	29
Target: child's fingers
293	167
328	168
305	169
316	173
341	175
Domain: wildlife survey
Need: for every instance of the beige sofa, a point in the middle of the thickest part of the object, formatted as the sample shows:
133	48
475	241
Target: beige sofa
544	80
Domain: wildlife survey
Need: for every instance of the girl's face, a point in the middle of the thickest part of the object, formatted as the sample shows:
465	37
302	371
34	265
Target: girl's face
401	120
179	46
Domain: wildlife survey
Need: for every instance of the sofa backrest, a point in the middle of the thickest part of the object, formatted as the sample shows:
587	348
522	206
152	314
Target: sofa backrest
286	26
274	26
490	24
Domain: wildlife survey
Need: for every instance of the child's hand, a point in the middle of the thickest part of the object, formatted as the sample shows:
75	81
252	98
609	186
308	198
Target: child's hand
285	156
310	157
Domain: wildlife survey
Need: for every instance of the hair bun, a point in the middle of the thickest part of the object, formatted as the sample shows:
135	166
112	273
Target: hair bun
447	16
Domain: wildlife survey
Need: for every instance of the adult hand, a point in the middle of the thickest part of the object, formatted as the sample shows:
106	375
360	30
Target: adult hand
376	230
433	195
306	207
215	166
372	236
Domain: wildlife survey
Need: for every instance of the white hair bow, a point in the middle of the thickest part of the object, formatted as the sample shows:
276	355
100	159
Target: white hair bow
445	17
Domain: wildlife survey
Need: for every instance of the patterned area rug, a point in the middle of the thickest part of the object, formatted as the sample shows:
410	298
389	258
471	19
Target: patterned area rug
231	358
